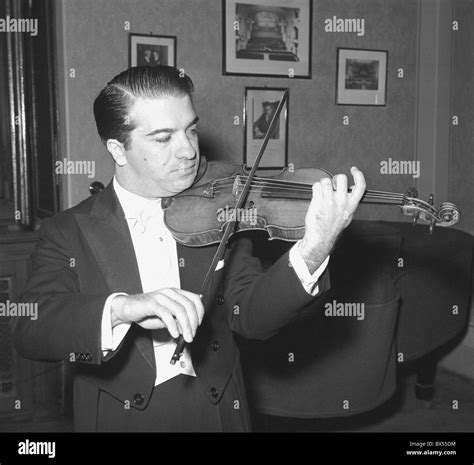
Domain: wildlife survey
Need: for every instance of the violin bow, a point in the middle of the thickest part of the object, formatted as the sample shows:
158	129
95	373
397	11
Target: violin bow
218	260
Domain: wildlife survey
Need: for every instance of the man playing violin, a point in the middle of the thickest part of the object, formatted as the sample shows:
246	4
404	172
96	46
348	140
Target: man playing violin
115	290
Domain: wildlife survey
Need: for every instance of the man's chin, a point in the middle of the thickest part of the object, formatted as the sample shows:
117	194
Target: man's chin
185	182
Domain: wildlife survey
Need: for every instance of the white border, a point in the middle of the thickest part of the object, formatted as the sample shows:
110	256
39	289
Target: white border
280	68
361	97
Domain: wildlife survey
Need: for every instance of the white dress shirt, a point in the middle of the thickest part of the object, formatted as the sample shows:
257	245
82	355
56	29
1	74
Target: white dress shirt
156	253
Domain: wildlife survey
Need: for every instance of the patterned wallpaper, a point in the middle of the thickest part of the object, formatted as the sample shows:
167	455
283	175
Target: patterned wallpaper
96	46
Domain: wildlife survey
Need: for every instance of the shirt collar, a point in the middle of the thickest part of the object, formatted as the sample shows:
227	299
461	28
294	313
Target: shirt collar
134	204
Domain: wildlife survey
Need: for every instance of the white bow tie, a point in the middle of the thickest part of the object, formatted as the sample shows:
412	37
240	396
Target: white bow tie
141	217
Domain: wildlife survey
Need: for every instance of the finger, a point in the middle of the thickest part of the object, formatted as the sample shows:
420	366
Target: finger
183	321
340	181
326	187
188	304
317	188
197	304
180	330
317	196
359	185
168	320
179	312
316	201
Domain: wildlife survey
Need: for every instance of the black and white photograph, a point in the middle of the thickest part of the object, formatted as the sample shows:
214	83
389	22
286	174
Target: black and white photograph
150	50
254	247
261	105
267	37
361	77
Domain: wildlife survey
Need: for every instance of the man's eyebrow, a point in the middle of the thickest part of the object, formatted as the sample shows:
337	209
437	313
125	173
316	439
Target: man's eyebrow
170	130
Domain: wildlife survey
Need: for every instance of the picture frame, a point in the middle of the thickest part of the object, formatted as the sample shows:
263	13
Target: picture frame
260	104
361	77
151	50
267	38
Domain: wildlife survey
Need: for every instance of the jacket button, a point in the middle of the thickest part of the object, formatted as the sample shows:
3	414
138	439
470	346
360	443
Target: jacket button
138	399
214	393
220	299
215	346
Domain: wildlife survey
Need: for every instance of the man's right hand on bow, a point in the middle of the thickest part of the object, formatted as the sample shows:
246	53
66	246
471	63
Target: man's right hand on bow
181	312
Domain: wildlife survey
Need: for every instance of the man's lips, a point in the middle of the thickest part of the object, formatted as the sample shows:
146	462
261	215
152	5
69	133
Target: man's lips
186	170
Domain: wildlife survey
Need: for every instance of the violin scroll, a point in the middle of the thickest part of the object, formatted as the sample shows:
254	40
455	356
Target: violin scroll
447	215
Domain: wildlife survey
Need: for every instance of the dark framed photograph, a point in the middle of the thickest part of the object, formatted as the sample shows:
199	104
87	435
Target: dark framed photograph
259	107
361	77
151	50
267	38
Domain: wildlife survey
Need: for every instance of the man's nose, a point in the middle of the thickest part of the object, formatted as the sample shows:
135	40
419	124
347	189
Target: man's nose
186	148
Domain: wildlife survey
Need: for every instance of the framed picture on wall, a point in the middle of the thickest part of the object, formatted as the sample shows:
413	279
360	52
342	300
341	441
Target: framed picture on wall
361	77
267	38
150	50
259	107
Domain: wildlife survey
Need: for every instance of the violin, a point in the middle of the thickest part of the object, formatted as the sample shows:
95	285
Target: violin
276	204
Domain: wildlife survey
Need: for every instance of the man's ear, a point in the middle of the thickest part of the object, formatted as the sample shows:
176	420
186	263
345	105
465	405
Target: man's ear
117	150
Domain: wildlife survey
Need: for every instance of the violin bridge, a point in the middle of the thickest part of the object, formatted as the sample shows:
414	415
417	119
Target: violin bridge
235	188
210	190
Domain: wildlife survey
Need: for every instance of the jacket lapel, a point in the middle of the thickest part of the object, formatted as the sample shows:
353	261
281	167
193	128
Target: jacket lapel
107	234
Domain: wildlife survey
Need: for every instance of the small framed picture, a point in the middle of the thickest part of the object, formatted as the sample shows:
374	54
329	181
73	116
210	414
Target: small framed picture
361	77
267	38
259	107
150	50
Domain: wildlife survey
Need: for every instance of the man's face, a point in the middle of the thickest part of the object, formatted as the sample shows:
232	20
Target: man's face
163	154
268	110
147	53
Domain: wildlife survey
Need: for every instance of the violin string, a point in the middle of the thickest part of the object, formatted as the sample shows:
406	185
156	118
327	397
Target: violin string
282	182
267	184
301	186
269	187
367	197
308	187
270	181
264	186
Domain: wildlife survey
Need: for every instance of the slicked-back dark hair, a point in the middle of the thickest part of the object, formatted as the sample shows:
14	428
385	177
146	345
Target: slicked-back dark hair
112	106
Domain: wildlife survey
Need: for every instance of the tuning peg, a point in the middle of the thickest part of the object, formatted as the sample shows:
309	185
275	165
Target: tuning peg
431	199
412	192
415	218
432	225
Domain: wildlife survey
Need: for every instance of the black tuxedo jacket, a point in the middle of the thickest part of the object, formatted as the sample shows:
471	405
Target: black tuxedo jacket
86	253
